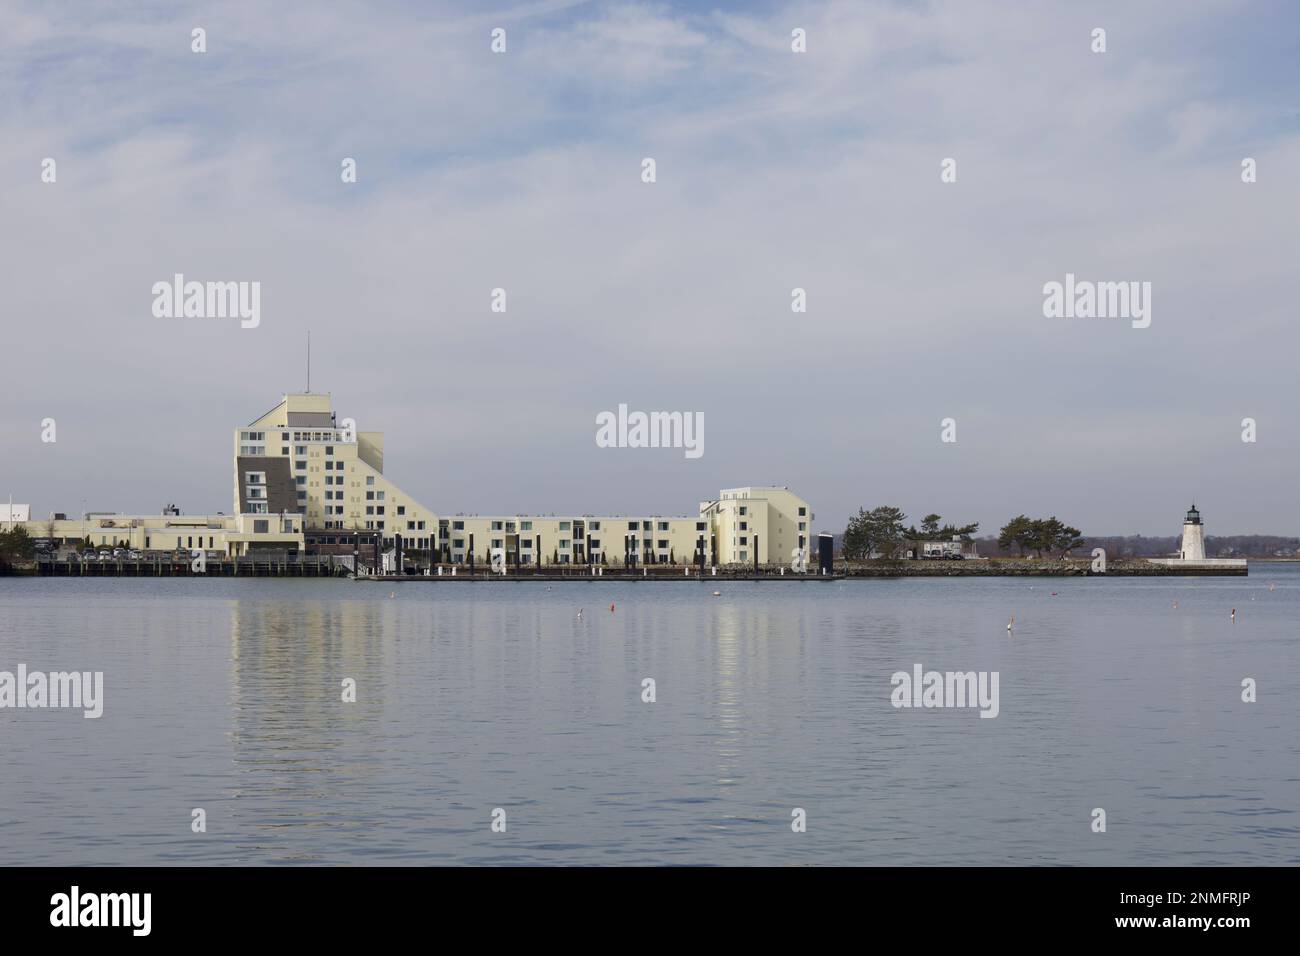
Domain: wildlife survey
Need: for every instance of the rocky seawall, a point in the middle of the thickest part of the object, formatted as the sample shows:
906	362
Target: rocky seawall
1027	567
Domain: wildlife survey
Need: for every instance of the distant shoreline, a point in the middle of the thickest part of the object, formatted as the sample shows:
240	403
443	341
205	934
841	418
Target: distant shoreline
971	568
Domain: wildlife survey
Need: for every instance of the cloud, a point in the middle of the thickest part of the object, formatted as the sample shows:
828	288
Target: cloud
776	170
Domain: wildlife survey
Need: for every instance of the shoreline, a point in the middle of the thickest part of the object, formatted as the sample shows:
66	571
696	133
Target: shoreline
1003	568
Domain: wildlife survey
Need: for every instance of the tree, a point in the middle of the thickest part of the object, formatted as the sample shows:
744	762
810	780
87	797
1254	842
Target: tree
1019	532
931	531
16	543
879	530
1039	535
885	529
856	545
1063	537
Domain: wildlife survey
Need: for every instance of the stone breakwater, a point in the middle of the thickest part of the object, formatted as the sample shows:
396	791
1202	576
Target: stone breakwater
1043	568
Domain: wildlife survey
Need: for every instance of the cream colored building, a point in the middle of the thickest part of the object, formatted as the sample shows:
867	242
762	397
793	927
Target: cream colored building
227	534
581	539
769	522
305	480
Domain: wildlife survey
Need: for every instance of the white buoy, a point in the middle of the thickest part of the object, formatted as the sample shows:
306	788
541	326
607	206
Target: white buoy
717	594
1011	622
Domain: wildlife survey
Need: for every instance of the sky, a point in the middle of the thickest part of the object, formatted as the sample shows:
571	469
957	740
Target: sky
774	170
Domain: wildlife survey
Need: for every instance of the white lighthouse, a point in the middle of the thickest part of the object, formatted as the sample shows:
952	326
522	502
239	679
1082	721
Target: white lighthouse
1193	546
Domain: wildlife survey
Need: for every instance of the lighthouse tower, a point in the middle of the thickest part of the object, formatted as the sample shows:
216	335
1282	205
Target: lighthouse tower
1193	547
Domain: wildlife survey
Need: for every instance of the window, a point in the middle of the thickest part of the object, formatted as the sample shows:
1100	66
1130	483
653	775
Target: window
525	526
261	526
300	449
496	525
631	526
663	544
497	543
663	526
370	509
699	526
803	525
329	449
379	510
299	466
744	526
645	526
594	525
458	543
300	479
744	540
370	496
744	555
401	509
284	450
594	543
370	479
565	526
803	512
744	510
526	544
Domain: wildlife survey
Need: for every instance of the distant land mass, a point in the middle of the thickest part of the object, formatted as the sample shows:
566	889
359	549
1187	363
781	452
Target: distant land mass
1141	546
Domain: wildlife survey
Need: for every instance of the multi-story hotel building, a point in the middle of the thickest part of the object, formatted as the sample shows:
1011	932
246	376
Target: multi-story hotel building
307	481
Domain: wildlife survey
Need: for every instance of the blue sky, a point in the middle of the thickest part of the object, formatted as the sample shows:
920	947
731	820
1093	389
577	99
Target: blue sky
775	170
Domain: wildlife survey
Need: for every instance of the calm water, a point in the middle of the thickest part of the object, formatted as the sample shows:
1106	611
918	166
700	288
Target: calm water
225	695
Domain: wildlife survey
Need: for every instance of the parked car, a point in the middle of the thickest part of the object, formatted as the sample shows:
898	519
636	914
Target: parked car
180	555
215	555
135	554
105	554
119	552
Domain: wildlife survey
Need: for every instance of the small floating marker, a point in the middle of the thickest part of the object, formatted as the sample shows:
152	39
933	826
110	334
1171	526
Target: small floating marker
392	594
717	594
611	609
1011	622
1054	593
1175	605
1234	614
